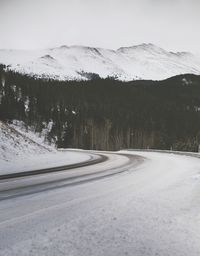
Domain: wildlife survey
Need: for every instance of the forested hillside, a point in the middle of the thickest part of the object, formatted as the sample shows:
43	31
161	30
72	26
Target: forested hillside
106	114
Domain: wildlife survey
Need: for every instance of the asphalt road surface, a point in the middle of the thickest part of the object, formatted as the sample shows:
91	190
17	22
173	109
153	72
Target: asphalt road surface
129	203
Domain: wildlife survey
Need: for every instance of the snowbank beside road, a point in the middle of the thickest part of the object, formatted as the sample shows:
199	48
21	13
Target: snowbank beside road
33	162
20	153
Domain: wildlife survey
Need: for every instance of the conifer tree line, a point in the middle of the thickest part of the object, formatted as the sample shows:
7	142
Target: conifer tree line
106	114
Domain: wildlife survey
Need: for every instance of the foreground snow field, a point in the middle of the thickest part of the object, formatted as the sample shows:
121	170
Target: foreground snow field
152	208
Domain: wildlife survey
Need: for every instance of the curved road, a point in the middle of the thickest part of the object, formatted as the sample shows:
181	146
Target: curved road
100	165
134	203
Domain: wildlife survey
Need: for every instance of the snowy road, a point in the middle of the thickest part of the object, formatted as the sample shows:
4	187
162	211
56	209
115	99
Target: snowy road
151	206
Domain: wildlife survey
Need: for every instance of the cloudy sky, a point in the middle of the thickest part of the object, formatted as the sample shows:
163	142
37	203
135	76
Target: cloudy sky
171	24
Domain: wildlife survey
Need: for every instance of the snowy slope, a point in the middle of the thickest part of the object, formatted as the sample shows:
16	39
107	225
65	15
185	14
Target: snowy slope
20	151
145	61
14	144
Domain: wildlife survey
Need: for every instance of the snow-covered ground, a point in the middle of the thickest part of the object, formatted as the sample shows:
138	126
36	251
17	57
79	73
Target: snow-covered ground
38	137
150	210
145	61
23	151
47	160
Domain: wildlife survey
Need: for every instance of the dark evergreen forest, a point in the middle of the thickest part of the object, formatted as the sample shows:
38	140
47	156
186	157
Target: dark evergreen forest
106	114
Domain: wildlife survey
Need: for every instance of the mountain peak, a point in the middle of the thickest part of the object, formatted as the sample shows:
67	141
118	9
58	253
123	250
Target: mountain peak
47	57
63	47
142	47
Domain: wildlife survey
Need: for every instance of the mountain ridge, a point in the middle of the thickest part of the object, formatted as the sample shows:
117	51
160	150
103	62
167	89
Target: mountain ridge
139	62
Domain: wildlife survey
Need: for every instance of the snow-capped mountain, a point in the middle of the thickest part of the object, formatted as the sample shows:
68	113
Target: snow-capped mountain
145	61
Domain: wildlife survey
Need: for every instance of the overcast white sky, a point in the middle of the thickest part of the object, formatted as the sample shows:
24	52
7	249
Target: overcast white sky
29	24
